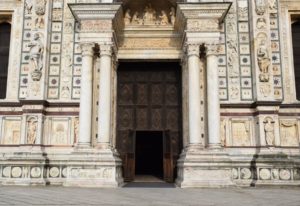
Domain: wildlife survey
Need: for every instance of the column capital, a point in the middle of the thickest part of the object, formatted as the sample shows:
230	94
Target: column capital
212	48
87	48
192	49
106	49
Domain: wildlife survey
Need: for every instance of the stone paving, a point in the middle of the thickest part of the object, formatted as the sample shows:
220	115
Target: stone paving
151	195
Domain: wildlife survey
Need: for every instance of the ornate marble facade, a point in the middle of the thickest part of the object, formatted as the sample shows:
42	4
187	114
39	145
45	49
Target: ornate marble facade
240	114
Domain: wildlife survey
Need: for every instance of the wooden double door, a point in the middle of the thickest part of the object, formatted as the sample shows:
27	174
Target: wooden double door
149	100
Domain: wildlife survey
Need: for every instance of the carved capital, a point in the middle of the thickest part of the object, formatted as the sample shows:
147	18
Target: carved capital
87	49
212	49
106	49
192	49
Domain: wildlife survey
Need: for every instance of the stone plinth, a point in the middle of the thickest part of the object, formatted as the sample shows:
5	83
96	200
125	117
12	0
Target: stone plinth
204	168
91	168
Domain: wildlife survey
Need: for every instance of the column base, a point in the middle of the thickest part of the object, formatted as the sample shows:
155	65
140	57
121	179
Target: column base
94	168
204	168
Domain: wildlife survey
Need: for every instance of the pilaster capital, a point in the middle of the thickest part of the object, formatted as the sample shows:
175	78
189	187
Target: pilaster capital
192	49
106	49
212	49
87	49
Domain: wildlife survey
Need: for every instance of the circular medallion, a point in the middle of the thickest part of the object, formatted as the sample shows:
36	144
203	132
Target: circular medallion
16	172
6	172
35	172
265	174
285	174
245	173
64	172
54	172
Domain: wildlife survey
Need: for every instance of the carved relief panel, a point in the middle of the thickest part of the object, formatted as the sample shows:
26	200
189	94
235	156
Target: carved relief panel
58	131
267	50
289	133
235	75
11	130
241	132
34	49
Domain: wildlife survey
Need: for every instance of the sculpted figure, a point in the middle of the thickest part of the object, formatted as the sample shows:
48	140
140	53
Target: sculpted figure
40	9
149	15
36	56
136	20
273	4
261	23
28	6
260	7
264	61
269	131
127	17
164	18
172	15
31	133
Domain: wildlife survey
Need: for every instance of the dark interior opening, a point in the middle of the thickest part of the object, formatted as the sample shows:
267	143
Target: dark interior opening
149	153
296	50
5	29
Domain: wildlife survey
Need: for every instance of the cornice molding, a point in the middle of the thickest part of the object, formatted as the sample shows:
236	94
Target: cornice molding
94	11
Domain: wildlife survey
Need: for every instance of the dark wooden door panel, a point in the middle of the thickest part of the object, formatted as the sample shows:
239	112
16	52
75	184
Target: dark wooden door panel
149	99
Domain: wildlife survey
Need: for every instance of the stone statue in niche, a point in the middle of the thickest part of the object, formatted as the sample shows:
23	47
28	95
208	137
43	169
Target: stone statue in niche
127	17
172	15
31	130
36	56
40	10
261	7
261	23
269	131
28	6
264	61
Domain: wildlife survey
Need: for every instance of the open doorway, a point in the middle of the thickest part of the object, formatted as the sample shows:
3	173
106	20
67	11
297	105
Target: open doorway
149	154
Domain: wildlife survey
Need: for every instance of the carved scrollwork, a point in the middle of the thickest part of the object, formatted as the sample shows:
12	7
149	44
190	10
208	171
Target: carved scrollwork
192	49
87	49
106	50
212	48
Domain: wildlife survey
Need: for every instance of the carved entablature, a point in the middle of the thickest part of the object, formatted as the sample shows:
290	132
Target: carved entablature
203	25
95	17
201	19
94	26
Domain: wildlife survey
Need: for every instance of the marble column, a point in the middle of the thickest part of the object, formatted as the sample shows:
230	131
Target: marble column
105	90
86	92
213	102
193	59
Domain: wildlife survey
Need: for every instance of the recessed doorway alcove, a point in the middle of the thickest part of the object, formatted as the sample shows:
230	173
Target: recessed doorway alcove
149	119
